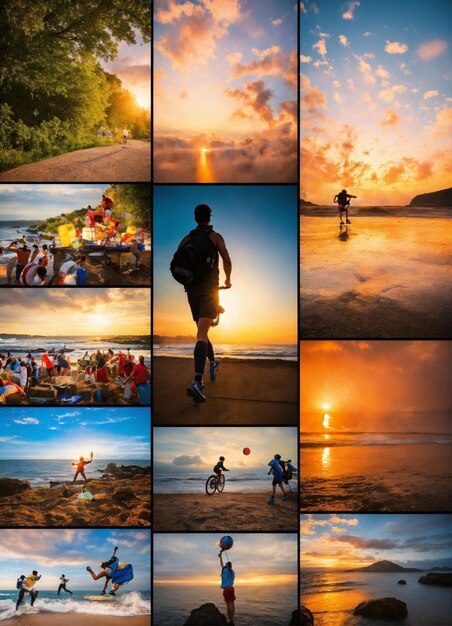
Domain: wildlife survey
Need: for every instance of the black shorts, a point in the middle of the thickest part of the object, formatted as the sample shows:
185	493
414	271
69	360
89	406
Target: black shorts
203	301
276	481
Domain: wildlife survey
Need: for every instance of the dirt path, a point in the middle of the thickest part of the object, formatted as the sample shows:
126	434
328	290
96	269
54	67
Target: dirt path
128	163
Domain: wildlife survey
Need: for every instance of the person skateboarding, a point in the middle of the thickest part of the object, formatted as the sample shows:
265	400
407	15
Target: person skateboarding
227	584
343	202
202	292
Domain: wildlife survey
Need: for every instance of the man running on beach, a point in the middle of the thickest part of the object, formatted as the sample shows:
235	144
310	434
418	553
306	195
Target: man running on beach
27	586
278	478
227	584
343	202
202	293
62	585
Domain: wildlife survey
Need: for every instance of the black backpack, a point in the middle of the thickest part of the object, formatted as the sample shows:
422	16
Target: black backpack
19	584
193	261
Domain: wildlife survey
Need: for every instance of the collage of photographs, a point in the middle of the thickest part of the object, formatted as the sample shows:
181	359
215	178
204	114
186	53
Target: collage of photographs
225	313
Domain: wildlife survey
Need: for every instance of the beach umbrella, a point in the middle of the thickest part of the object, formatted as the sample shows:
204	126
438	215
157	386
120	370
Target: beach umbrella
246	451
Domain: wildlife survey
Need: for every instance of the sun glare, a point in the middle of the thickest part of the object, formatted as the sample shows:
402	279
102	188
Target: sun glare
325	406
326	421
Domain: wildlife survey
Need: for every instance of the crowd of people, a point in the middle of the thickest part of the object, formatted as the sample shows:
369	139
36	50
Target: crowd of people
18	375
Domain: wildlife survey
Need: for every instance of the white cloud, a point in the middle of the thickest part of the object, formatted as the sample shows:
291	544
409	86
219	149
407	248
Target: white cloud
343	40
431	93
27	420
305	59
277	22
389	94
381	72
432	49
320	46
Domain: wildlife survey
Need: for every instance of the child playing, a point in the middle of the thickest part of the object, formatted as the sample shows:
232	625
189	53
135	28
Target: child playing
81	467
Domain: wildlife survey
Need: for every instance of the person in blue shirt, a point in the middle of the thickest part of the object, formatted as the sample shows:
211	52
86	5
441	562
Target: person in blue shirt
278	478
227	584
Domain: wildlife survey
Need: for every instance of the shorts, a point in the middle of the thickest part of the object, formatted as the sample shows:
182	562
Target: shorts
49	370
228	594
203	301
277	481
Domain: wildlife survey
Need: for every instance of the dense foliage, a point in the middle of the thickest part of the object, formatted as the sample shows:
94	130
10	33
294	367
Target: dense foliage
54	94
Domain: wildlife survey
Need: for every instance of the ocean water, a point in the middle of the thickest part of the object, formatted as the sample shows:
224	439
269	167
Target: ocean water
20	346
375	472
285	352
333	595
255	605
126	604
194	480
39	472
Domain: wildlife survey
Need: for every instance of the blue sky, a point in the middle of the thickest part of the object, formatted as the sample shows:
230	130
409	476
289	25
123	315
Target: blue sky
64	433
41	201
53	552
376	94
259	225
416	540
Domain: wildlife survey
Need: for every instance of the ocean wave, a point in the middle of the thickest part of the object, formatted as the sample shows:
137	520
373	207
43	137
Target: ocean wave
124	606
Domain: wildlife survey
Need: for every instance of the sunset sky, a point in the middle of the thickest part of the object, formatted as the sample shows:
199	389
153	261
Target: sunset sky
56	551
349	541
256	558
179	449
383	386
375	99
259	225
84	311
55	433
225	79
133	67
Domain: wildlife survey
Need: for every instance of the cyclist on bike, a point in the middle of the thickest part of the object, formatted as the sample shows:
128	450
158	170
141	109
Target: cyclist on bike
219	467
202	294
343	202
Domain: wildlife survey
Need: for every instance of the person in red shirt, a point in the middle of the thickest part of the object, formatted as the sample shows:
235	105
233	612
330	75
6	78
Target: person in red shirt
139	375
81	467
23	255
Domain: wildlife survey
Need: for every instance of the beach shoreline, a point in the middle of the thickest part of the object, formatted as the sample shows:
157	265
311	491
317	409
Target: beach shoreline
68	619
247	391
225	512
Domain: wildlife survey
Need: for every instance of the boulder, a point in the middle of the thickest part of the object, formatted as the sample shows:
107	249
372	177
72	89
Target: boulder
206	615
43	391
434	578
13	486
402	582
302	617
123	494
387	609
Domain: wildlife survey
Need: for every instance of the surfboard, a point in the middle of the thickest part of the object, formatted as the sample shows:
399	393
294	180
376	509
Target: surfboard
100	598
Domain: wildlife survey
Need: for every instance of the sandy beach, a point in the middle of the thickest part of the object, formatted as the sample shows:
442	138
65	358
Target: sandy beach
385	276
226	512
249	392
69	619
117	501
376	478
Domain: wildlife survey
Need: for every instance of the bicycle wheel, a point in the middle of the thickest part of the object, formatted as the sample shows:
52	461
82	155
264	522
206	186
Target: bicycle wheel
211	485
221	482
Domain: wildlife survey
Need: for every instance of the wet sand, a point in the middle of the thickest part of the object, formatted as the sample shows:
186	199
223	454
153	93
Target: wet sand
69	619
118	502
225	512
384	277
99	275
245	392
376	478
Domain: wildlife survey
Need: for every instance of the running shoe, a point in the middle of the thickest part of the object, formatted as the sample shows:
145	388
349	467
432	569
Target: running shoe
196	391
271	500
214	367
348	222
341	223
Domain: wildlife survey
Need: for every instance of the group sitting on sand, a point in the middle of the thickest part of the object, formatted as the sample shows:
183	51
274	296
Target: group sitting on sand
18	375
30	268
113	571
282	474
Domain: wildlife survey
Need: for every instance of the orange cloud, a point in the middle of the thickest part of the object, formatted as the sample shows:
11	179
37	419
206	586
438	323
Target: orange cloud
442	126
431	93
349	11
389	94
395	47
320	46
391	119
305	59
432	49
312	99
343	40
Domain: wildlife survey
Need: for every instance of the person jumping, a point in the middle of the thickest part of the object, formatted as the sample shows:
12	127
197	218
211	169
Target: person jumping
81	467
62	585
343	202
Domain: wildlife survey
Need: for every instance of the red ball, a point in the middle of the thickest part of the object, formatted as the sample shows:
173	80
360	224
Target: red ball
246	451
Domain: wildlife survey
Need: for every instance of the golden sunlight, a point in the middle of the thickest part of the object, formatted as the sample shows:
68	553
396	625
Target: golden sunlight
326	421
326	457
203	172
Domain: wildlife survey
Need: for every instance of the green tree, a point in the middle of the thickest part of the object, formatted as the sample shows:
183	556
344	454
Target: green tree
133	198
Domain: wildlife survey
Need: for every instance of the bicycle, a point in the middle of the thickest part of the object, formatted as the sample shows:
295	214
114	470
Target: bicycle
215	483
